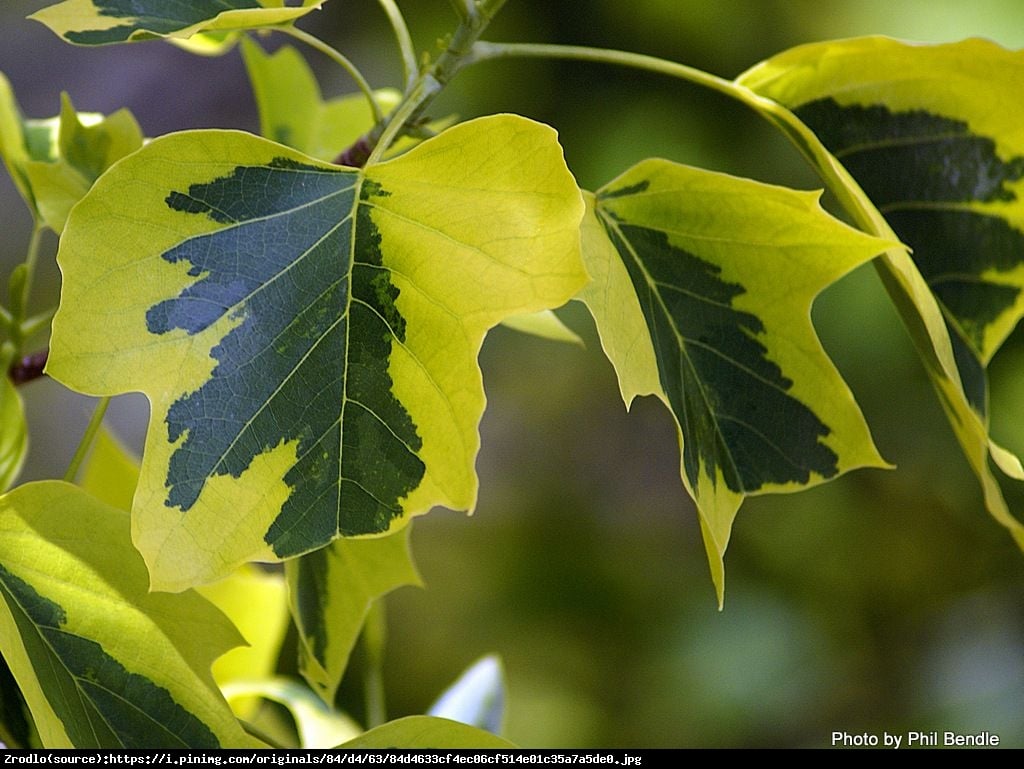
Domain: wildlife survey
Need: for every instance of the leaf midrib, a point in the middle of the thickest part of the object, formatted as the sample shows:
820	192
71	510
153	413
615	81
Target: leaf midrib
54	657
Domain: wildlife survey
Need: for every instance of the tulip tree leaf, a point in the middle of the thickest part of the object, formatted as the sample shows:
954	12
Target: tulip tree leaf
13	150
54	161
292	110
99	22
916	128
331	592
86	145
104	663
13	434
318	724
306	333
256	602
702	287
427	732
110	472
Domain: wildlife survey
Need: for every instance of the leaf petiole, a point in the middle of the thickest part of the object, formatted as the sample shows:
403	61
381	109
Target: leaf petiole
341	60
87	439
405	45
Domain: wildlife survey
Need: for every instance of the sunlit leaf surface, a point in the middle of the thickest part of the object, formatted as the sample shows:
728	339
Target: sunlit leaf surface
702	289
104	663
306	333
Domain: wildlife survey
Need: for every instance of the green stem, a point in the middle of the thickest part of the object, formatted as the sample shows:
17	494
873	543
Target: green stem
374	638
901	280
340	59
425	88
31	258
849	193
474	20
87	438
21	289
405	45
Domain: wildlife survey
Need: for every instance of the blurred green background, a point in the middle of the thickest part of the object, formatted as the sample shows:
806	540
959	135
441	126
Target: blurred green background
884	601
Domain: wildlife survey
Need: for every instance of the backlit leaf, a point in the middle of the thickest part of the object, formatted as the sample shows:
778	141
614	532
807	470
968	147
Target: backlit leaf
544	324
319	726
427	732
101	660
256	602
702	288
86	146
292	110
54	161
13	434
99	22
110	472
306	334
932	134
331	591
13	151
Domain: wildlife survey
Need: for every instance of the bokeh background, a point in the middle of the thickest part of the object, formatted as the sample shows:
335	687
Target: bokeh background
884	601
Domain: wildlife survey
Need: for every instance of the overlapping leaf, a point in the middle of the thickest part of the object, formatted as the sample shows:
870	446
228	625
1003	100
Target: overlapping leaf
102	662
99	22
292	111
13	433
256	602
427	732
331	592
932	135
702	288
306	333
319	725
54	161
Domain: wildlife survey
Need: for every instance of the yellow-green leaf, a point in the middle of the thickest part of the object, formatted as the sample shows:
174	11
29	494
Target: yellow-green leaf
104	663
427	732
932	135
702	288
256	602
13	151
110	472
13	434
319	725
99	22
86	146
292	110
544	324
331	592
306	333
54	161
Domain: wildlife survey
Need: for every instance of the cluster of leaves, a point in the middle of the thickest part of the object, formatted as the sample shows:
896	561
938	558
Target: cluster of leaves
304	313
